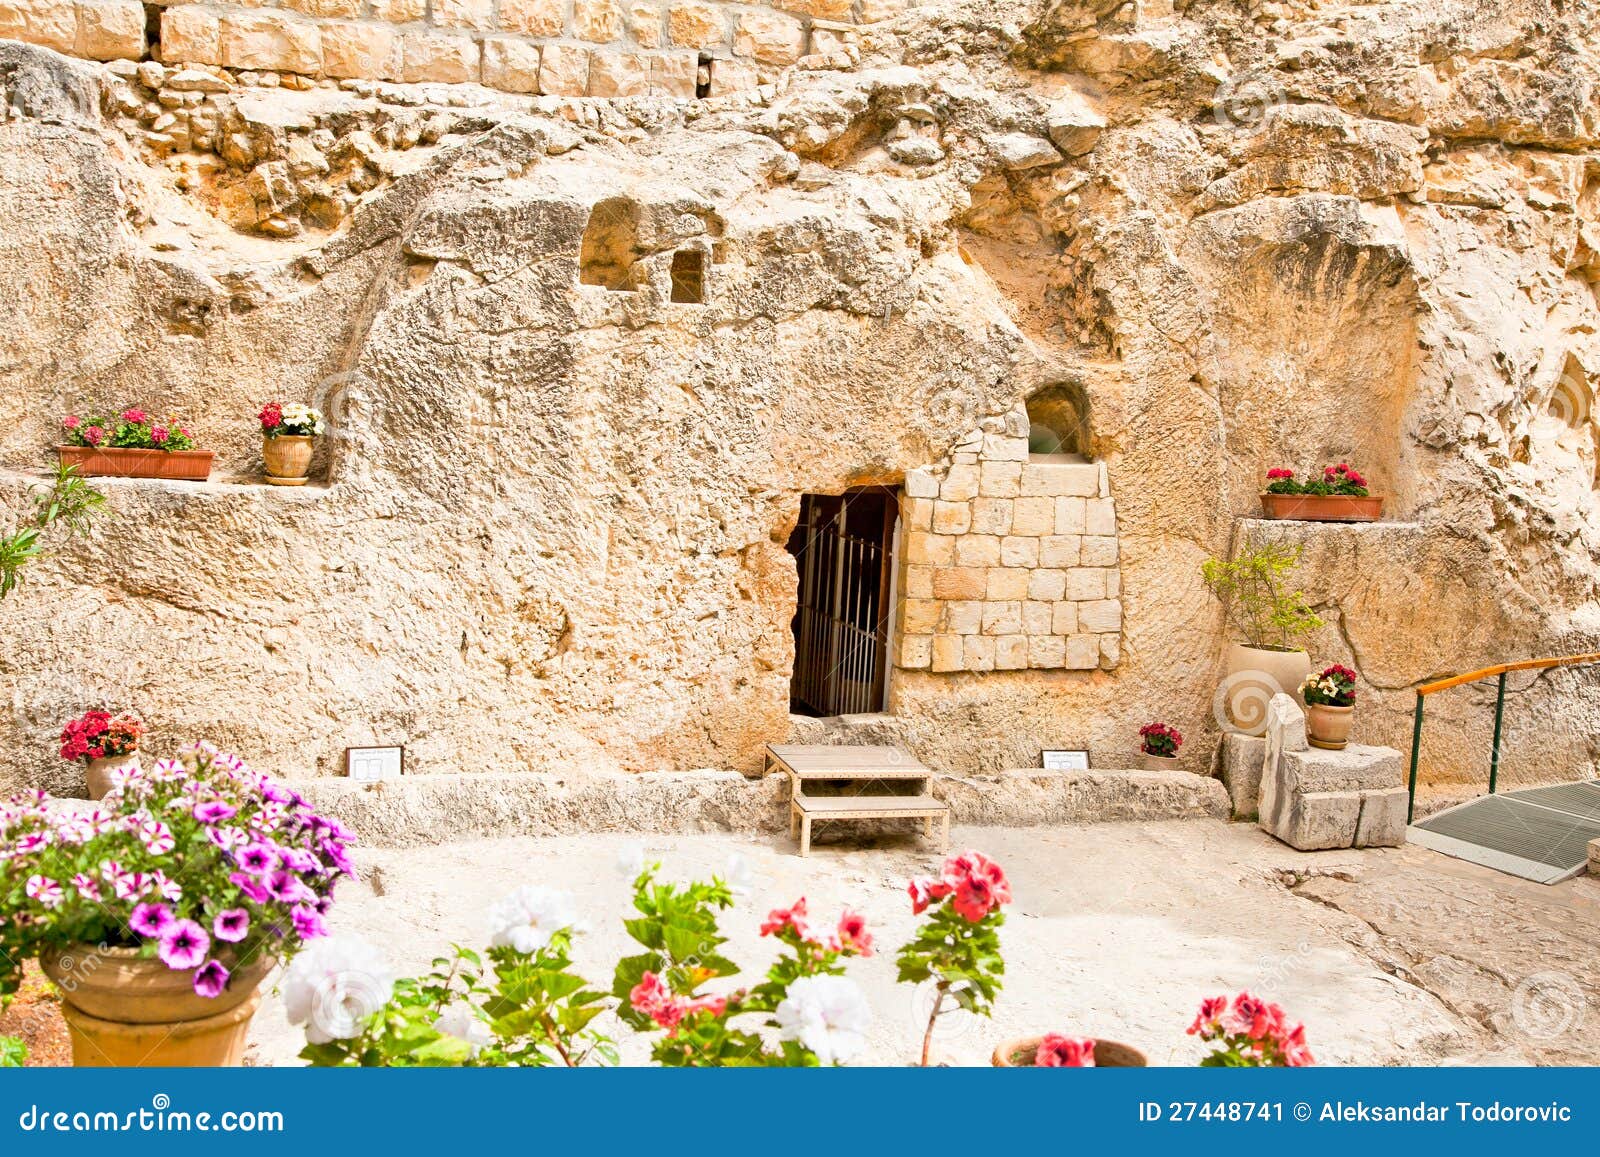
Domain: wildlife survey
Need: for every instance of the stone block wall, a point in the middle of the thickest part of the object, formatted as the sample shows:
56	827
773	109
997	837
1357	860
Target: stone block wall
1009	562
602	48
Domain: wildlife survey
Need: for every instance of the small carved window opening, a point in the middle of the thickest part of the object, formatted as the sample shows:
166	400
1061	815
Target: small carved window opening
611	245
702	79
1058	423
689	276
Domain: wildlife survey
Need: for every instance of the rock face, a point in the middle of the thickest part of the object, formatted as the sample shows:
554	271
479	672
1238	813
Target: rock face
582	358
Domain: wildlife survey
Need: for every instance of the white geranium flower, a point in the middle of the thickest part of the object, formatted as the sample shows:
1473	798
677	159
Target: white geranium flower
461	1022
334	985
738	875
529	917
630	860
828	1015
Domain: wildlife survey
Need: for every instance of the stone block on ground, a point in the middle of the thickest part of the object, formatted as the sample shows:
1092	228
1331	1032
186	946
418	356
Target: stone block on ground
1313	799
1356	768
1594	857
1242	759
1383	818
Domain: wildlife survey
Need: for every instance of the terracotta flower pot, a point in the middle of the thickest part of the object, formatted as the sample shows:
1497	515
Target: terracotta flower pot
1251	677
125	1011
1323	507
1108	1054
98	772
1158	762
288	458
1328	727
105	462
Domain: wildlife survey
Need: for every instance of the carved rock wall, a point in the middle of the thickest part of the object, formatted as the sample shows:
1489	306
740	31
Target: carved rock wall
547	529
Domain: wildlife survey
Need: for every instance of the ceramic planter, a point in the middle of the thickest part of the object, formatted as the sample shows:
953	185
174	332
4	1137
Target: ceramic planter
288	458
1158	762
127	1012
107	462
1328	727
1323	507
1108	1054
1251	677
98	772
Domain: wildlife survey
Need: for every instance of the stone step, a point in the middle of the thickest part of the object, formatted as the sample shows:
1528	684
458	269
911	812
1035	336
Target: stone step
429	809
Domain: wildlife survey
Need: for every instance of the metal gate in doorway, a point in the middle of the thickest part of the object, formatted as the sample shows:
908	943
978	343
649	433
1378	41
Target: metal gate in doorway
843	548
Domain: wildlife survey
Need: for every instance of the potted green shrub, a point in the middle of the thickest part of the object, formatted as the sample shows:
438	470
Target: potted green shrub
1340	495
1253	587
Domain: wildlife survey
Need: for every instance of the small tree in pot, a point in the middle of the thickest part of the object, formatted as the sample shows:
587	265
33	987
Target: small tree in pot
1254	589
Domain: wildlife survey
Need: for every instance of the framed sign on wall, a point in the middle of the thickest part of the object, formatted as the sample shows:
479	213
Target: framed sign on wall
1066	761
374	764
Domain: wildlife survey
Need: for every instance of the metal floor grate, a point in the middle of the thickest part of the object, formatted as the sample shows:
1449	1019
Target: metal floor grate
1540	834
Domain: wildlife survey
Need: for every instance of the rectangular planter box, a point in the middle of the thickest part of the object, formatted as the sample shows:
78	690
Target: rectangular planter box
1323	507
107	462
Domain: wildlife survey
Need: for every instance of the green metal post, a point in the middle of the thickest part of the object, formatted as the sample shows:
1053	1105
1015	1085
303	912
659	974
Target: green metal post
1499	715
1416	750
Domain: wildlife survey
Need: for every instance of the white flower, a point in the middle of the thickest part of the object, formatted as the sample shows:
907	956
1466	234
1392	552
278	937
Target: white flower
302	418
630	860
461	1022
334	985
526	919
826	1014
737	875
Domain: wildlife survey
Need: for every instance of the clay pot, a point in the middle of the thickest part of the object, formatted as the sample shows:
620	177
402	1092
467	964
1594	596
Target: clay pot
1108	1054
98	772
1328	727
1158	762
1251	677
124	1011
288	458
180	465
1323	507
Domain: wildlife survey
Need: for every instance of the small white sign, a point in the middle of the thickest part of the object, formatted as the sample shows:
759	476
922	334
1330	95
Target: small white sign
374	764
1066	761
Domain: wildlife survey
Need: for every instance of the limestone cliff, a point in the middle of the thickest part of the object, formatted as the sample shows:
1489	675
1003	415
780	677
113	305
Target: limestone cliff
549	527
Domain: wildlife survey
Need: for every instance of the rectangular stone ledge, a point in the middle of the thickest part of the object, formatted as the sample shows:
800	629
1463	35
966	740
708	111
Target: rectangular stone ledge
427	809
1594	857
126	493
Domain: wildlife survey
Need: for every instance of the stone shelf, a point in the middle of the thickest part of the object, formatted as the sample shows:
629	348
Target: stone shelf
211	489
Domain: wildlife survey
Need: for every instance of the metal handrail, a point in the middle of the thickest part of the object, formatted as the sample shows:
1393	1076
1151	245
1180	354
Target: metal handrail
1500	670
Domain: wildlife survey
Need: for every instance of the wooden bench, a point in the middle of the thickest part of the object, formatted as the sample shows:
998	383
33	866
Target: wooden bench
858	766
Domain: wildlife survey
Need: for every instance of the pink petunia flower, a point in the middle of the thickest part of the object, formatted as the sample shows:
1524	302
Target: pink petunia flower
184	945
46	891
210	979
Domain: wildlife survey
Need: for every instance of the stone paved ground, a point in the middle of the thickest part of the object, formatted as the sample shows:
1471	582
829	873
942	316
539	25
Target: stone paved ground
1390	956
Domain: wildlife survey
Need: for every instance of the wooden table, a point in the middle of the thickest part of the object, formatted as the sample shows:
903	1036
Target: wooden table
864	766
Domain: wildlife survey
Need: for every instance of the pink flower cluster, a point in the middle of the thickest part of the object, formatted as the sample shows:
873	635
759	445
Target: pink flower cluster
1060	1052
1342	473
100	735
974	884
1159	739
651	997
1278	472
271	416
849	937
1257	1030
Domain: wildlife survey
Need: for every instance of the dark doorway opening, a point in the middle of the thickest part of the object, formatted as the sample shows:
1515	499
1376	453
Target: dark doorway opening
844	550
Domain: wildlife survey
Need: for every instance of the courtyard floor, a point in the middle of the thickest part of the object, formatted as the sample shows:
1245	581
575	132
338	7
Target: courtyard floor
1396	956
